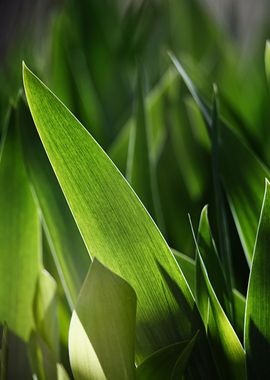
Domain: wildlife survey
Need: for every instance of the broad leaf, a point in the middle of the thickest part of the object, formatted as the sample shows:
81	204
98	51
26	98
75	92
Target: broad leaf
102	329
115	226
257	316
19	236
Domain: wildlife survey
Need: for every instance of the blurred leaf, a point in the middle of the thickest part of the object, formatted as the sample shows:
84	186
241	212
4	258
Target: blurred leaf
45	311
140	168
241	171
61	372
66	245
43	362
168	363
115	226
102	329
221	217
267	61
154	109
19	236
228	351
257	331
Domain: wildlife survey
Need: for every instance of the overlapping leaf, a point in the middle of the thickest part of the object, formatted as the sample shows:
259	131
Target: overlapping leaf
257	328
19	236
242	173
115	226
102	329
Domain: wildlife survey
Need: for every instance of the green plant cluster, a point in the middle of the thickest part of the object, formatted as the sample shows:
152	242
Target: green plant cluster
136	247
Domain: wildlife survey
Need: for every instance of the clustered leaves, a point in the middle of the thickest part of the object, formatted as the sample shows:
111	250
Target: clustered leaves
94	281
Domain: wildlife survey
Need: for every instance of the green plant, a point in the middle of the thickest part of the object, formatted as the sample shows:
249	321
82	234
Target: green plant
91	286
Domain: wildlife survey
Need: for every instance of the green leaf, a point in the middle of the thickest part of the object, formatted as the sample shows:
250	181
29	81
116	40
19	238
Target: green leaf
227	349
155	104
67	247
102	329
140	167
138	164
214	270
221	216
257	328
267	61
45	311
20	236
42	359
61	372
239	312
114	224
241	171
168	363
187	265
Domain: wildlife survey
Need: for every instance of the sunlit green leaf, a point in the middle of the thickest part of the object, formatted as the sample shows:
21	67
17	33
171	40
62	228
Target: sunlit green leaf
214	269
227	349
115	226
102	329
267	61
45	311
257	328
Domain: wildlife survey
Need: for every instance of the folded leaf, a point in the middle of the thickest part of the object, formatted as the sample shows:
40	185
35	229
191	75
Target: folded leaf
20	235
257	316
102	329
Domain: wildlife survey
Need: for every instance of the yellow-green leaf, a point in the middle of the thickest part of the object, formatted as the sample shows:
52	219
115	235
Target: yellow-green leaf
257	316
102	329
